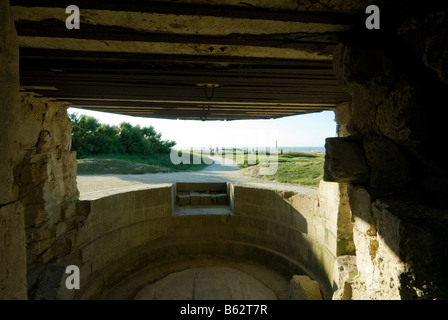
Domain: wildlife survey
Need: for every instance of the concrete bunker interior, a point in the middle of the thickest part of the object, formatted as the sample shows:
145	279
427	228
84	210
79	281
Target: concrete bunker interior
374	229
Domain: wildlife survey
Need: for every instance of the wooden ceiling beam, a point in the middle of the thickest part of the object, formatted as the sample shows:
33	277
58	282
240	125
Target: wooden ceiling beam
153	58
202	9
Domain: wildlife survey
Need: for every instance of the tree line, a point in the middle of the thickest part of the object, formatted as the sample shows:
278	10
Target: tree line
90	137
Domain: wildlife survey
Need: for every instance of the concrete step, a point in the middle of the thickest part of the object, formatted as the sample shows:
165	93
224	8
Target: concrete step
201	198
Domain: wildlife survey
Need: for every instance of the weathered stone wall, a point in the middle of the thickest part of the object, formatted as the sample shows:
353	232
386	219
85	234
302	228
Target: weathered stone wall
393	159
46	177
38	190
12	231
44	182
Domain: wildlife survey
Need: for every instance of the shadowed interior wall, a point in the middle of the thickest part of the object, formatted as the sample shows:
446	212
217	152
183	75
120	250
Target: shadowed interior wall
392	157
12	230
38	171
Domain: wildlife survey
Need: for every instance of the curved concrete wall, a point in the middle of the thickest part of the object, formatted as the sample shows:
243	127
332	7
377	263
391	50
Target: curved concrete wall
126	232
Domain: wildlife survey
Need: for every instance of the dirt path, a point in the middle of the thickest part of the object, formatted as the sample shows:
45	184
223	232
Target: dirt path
96	186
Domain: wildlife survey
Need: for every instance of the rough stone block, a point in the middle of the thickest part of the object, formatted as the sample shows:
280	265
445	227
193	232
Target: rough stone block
344	272
367	74
329	198
343	113
303	288
389	169
344	161
360	205
417	235
342	118
334	212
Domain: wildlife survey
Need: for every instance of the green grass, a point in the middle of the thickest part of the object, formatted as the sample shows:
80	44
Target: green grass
305	168
132	164
304	173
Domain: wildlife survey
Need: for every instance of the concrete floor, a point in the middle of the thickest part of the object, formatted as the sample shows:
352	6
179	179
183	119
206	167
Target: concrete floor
207	283
203	278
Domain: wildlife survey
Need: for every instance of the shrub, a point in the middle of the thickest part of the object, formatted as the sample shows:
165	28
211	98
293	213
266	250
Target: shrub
90	137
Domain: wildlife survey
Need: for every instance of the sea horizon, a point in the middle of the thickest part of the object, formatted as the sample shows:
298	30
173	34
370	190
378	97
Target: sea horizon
280	148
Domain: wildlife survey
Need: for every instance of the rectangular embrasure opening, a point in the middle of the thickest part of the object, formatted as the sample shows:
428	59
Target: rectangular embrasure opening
192	198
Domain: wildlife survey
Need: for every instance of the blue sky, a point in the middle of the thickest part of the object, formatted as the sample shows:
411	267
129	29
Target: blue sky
308	130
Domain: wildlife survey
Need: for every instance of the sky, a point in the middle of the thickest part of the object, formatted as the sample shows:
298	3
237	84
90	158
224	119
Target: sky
307	130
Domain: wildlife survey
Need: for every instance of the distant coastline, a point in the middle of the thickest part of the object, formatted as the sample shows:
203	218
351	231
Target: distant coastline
302	149
285	149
